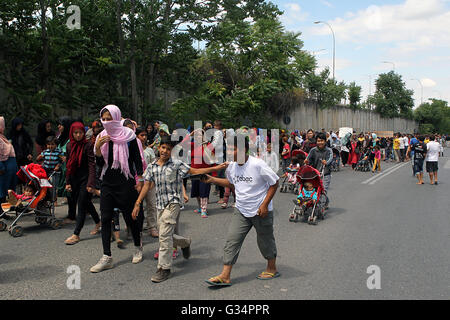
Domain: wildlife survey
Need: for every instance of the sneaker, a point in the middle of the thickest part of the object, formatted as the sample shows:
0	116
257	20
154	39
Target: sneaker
161	275
104	263
204	214
197	210
137	256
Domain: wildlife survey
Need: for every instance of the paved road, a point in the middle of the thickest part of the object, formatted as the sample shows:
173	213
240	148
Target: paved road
386	221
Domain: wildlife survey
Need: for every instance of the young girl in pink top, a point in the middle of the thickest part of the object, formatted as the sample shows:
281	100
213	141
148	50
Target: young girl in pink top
376	163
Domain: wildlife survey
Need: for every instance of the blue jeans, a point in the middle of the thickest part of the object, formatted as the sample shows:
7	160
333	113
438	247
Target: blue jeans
8	179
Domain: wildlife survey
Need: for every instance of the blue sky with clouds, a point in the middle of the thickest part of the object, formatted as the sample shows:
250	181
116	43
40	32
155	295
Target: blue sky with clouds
412	34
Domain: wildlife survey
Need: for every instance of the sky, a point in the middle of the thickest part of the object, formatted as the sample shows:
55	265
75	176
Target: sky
412	35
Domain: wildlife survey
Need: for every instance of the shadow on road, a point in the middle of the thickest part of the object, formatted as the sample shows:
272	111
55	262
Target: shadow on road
25	274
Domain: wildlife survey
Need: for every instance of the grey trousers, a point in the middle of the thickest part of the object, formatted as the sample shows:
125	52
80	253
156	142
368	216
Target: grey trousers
326	182
168	239
238	230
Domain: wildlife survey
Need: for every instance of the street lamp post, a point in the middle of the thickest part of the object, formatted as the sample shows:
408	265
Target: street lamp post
393	64
334	45
421	91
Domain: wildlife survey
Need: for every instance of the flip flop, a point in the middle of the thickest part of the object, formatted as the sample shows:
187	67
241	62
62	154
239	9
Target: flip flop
220	282
272	275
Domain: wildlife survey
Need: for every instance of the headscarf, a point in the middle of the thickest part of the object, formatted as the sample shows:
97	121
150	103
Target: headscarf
120	136
6	148
42	133
20	139
2	126
76	149
66	122
164	128
14	134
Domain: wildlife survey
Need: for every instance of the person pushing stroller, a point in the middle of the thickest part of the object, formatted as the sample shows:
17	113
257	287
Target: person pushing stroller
320	158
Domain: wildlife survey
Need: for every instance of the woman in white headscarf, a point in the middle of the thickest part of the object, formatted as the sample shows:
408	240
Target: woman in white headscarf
8	164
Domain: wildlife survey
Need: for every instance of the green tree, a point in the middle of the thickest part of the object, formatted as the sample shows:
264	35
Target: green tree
326	90
244	68
391	98
354	95
433	117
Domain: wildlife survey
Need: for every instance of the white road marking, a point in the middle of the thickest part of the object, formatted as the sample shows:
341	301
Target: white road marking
387	171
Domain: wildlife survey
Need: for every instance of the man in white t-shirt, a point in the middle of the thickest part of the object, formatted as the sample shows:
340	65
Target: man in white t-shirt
255	184
432	159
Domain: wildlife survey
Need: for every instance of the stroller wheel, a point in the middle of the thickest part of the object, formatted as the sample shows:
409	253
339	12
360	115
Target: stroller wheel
3	226
16	231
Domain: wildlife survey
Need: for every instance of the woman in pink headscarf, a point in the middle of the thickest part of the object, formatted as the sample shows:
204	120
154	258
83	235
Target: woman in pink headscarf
8	165
117	151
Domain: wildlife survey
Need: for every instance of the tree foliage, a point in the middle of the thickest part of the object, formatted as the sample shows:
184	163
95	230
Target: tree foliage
354	95
433	117
392	98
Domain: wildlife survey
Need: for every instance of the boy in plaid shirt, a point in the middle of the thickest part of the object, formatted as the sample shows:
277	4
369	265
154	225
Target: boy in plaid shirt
167	176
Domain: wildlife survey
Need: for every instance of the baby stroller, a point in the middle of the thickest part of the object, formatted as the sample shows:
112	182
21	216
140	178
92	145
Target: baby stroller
363	164
288	184
334	166
310	210
42	204
290	181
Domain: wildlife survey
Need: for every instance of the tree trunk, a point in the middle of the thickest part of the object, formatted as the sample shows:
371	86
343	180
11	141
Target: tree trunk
134	97
45	49
123	82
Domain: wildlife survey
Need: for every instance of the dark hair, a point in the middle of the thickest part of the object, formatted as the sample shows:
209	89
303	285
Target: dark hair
421	138
310	130
103	111
237	137
127	122
321	136
30	187
66	122
42	133
167	141
50	139
432	137
139	130
218	123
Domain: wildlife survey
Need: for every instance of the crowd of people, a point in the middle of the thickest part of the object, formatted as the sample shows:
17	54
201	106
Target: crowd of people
126	164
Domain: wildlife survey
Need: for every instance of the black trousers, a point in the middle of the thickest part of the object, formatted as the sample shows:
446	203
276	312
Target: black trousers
83	199
123	199
344	156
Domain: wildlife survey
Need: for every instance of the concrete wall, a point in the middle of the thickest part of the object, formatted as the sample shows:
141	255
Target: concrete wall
309	115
